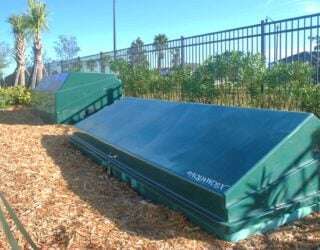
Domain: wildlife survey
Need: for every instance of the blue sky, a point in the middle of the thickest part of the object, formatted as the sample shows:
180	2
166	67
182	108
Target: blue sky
91	20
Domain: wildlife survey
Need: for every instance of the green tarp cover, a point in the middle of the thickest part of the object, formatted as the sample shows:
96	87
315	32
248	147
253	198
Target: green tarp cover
70	97
228	169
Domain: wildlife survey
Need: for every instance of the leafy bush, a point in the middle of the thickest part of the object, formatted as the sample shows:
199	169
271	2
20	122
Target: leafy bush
253	70
289	73
309	98
232	78
138	80
14	96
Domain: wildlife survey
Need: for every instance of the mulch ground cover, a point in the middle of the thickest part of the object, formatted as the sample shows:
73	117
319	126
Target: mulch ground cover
66	201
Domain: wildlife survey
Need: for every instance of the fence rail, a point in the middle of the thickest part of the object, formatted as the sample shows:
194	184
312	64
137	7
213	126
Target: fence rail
287	40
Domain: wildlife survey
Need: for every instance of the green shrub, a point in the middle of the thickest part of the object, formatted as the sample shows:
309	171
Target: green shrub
253	70
234	78
297	73
14	96
221	68
309	96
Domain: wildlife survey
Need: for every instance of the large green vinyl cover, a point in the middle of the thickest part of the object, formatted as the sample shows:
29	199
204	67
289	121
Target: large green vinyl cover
234	171
70	97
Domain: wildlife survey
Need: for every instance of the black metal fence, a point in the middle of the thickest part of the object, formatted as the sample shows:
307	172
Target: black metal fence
287	40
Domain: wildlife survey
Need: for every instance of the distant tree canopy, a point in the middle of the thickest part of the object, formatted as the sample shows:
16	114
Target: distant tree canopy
29	24
137	54
20	29
160	43
66	47
37	23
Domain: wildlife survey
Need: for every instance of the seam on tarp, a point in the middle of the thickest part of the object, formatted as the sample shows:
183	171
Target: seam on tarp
274	149
95	153
130	171
222	195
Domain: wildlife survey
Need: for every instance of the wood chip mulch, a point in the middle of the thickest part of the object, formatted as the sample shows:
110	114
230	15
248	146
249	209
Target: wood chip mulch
66	201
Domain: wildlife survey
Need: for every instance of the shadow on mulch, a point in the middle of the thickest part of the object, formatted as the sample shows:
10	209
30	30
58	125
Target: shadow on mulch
119	203
116	201
19	116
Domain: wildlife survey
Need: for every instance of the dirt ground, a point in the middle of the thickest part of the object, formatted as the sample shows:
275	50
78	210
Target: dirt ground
66	201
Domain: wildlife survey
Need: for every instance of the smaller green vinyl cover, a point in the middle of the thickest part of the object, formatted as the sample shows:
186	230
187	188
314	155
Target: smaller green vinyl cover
70	97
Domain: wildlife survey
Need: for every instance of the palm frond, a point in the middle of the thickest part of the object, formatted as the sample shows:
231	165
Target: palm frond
19	24
160	41
38	16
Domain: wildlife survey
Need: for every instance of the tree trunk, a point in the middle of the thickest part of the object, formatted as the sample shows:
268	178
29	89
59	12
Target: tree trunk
16	80
23	76
38	68
20	58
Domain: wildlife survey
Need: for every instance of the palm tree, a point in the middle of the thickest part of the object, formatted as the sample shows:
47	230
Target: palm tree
160	43
38	23
19	25
137	54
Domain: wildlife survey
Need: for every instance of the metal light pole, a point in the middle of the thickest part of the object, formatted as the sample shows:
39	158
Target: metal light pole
114	31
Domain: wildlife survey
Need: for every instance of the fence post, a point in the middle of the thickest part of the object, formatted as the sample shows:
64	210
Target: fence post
263	48
79	64
100	62
182	50
263	39
61	65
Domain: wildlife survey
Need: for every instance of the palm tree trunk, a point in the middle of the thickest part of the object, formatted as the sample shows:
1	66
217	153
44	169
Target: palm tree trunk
20	60
23	76
33	77
16	80
37	73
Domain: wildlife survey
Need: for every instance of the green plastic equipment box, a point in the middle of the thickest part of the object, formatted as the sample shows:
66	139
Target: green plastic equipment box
71	97
234	171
